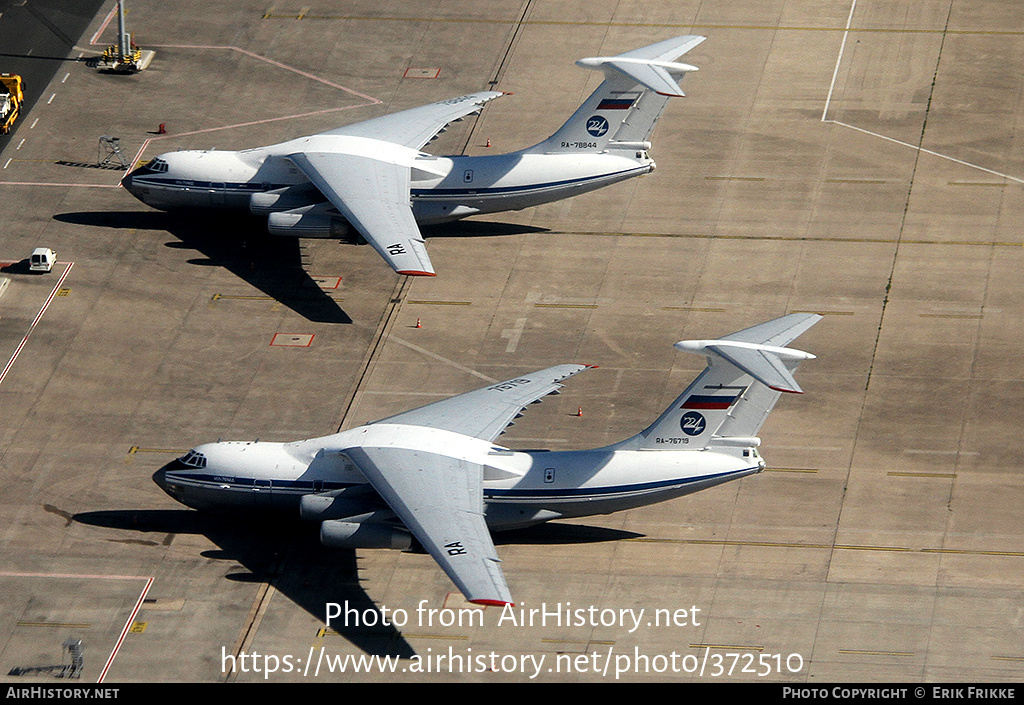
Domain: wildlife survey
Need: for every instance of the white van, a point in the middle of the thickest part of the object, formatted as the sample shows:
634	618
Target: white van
42	260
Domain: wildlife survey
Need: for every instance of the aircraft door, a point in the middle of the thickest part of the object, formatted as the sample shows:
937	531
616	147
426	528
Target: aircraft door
262	493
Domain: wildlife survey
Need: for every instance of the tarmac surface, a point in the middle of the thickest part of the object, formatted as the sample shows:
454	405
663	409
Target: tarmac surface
855	158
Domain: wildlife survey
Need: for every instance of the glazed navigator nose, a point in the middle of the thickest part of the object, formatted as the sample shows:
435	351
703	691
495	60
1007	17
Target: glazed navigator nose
128	182
160	478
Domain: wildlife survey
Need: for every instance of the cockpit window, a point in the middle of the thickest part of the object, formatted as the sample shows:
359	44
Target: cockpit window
158	165
194	460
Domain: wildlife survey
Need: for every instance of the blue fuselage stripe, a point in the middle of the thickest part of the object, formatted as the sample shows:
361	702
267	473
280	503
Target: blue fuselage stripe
420	194
560	494
596	492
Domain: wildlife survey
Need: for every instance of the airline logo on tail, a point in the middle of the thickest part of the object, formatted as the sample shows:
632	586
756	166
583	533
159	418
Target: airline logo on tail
597	126
692	423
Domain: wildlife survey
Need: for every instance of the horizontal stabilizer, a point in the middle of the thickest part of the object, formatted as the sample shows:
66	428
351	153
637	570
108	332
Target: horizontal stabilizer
762	362
653	66
758	350
781	331
655	75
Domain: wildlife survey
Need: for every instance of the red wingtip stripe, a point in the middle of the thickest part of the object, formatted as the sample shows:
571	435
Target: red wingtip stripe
493	603
416	273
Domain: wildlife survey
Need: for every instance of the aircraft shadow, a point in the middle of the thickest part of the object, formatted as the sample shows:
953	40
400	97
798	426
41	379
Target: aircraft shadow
239	244
552	533
478	228
286	554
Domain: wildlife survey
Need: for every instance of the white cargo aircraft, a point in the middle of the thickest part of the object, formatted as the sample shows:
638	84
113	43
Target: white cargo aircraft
372	175
435	475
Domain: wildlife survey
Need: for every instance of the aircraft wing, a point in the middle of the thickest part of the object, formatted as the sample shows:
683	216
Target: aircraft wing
486	412
415	127
365	173
373	195
440	500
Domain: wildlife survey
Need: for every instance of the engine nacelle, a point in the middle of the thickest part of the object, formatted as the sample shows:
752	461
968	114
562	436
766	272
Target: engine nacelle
332	505
338	533
319	220
284	199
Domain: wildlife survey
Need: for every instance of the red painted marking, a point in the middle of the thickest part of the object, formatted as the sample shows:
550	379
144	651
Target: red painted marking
131	617
39	315
124	632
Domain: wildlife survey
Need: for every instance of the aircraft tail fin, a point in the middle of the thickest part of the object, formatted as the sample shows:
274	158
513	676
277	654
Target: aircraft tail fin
622	112
726	405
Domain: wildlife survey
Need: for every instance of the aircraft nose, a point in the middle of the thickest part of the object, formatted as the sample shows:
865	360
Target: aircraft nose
128	182
160	478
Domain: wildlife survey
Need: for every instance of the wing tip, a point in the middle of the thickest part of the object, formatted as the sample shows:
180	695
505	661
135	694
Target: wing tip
416	273
786	390
493	603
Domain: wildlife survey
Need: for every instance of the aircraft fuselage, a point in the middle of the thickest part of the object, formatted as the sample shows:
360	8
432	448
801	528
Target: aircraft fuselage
521	488
442	188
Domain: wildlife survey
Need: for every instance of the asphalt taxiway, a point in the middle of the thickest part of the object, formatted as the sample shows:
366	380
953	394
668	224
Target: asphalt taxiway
853	158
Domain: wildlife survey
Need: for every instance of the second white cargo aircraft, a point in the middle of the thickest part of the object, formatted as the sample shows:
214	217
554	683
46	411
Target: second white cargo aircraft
435	475
373	176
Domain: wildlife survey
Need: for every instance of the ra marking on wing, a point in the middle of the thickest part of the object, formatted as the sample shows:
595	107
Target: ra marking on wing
455	548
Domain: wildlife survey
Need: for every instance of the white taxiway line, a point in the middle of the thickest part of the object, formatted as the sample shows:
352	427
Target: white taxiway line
931	152
839	59
39	315
828	102
440	358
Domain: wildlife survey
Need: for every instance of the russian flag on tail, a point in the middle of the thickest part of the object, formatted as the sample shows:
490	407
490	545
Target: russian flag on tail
710	401
620	101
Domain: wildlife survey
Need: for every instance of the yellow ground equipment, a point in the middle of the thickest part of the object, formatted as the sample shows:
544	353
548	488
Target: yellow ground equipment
12	94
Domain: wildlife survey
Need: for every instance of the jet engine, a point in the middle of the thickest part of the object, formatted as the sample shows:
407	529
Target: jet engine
318	220
333	505
284	199
342	533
